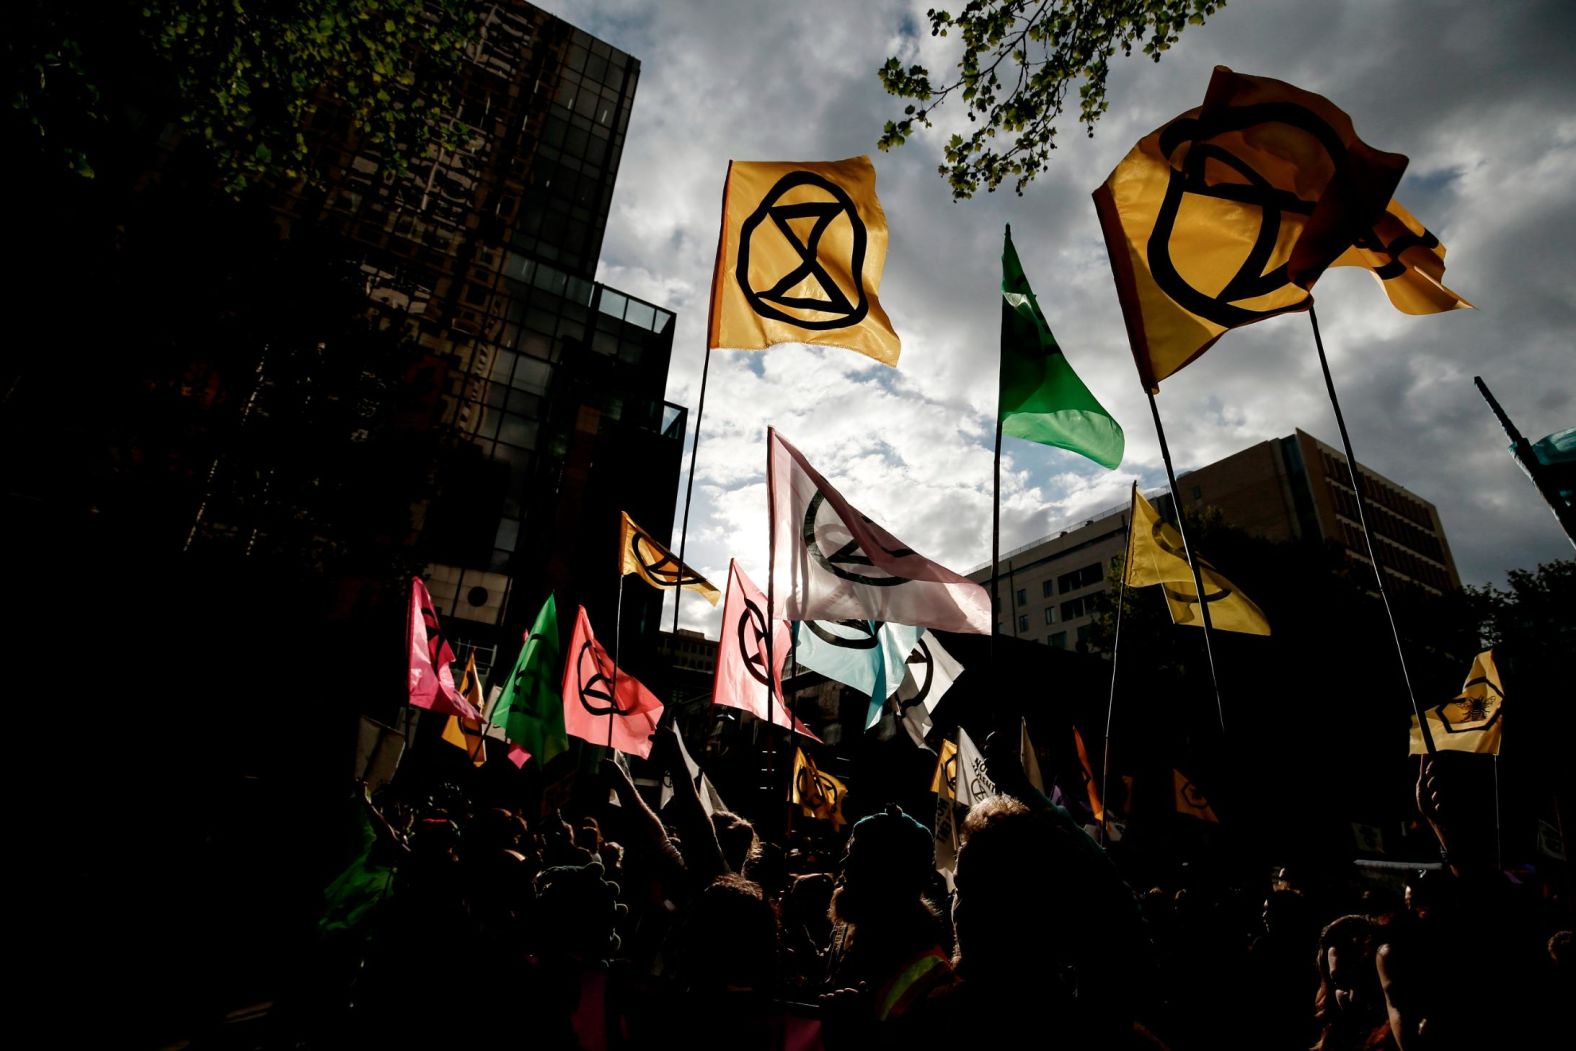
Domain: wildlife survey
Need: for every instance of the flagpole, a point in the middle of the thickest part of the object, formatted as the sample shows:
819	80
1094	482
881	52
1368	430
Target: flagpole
1499	853
771	602
1522	450
618	629
1012	586
995	549
1198	578
1116	646
1368	537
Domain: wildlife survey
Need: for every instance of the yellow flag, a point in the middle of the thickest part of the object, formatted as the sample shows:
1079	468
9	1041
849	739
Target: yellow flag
799	258
1470	721
467	733
818	795
1229	213
1191	800
945	781
1155	556
641	554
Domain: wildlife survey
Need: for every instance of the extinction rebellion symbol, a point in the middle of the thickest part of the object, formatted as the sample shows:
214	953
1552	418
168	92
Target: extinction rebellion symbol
1177	596
660	567
1251	280
752	642
923	669
848	553
819	791
833	311
598	688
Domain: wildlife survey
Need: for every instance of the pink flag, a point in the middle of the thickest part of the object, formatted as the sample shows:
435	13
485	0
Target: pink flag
431	677
596	692
741	680
829	562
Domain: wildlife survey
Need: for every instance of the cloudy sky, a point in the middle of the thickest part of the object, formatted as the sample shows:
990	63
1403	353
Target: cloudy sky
1481	97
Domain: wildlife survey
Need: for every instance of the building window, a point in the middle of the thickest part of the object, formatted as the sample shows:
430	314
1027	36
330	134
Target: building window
1074	608
1050	614
1080	578
1023	623
1023	597
1046	589
1058	640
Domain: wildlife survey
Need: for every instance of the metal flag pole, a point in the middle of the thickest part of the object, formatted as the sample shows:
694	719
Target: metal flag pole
1368	537
1522	450
618	629
700	406
1116	648
1187	550
1499	853
771	601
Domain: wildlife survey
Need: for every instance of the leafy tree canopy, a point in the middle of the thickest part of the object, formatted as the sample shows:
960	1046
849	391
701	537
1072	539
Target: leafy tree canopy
1019	59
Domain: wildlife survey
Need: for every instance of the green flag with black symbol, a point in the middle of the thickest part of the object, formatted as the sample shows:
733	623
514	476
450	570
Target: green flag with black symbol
1042	399
531	709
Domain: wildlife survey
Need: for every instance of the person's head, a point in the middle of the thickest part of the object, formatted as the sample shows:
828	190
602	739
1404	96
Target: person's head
1285	914
767	867
730	940
736	837
1007	893
1348	979
578	911
1562	959
886	867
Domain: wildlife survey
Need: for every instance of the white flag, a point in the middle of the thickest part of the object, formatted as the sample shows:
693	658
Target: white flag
973	784
709	800
829	562
930	673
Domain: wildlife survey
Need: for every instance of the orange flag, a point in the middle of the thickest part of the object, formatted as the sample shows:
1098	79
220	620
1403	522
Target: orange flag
1088	775
603	705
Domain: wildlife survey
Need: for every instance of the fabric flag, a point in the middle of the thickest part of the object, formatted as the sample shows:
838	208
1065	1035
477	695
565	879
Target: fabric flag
1041	399
710	801
868	656
929	673
829	562
946	838
530	709
1155	556
799	259
973	781
1470	721
431	674
642	554
1555	457
1191	800
945	781
741	680
603	705
360	888
1228	214
1086	770
379	748
1030	757
818	795
466	734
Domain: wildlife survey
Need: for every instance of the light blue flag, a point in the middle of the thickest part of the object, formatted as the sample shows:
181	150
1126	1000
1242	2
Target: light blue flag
864	654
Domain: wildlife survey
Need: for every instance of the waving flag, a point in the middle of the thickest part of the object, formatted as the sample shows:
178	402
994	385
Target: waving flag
1155	556
928	674
1468	722
530	709
1190	799
817	794
742	680
859	653
832	563
642	554
1041	399
431	659
468	734
1228	214
603	705
799	258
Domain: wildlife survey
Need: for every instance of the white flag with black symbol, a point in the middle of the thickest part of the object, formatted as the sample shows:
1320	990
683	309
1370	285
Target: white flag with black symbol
929	674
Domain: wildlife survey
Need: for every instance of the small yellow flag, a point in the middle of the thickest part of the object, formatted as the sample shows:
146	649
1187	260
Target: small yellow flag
1408	261
945	781
1191	800
1155	556
467	733
1470	721
818	795
641	554
799	259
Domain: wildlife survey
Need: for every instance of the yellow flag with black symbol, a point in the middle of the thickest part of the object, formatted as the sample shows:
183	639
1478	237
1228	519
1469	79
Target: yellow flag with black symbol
1470	721
1229	213
799	259
1191	799
469	734
818	795
945	781
1155	556
643	555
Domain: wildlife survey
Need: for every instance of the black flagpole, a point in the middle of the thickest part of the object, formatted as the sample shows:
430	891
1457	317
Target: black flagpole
1198	578
1116	647
771	603
618	628
1368	537
1522	450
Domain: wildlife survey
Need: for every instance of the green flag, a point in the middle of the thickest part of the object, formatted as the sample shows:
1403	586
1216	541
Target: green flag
1042	399
531	711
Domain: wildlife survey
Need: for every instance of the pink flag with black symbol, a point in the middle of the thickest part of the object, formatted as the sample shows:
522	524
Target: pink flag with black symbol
431	675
